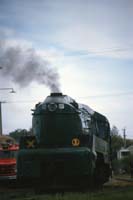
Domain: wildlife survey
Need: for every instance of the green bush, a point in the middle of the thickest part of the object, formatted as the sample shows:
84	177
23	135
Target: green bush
123	165
116	166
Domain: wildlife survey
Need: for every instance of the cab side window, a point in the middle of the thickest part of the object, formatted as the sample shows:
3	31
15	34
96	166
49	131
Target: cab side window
102	129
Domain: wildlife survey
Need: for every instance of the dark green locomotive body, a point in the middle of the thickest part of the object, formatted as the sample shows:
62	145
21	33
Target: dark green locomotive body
70	141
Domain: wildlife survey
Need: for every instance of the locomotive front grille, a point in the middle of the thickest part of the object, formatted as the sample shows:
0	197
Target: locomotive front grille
7	169
52	168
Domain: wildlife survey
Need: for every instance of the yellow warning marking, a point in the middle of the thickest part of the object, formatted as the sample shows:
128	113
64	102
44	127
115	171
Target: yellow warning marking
30	143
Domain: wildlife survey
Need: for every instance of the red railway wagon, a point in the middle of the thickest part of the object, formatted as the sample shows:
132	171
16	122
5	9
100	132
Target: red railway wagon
8	153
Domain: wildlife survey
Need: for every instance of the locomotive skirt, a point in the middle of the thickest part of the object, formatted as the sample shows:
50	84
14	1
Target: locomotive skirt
60	164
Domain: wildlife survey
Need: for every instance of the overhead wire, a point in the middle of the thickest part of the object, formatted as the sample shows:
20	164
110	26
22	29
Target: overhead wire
109	95
84	97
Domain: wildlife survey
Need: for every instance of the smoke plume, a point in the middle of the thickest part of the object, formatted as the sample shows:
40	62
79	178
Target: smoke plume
23	66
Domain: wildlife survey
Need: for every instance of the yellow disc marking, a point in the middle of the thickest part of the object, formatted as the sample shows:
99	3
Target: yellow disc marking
75	142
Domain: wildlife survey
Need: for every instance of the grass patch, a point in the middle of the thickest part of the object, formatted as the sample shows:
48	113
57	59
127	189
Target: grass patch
105	194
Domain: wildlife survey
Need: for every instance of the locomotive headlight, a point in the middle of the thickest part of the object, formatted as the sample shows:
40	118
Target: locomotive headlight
52	107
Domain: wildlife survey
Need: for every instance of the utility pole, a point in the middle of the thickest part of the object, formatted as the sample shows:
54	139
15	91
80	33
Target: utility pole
11	91
124	136
1	118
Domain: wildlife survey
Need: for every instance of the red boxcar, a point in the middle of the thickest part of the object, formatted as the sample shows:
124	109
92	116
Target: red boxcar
8	153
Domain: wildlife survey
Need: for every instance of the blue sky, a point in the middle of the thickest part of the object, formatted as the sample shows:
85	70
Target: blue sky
88	42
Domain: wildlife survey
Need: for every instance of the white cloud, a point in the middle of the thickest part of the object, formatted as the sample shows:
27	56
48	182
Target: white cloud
101	29
6	32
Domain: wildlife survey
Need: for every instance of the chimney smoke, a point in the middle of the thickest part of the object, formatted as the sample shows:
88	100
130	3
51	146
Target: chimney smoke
23	66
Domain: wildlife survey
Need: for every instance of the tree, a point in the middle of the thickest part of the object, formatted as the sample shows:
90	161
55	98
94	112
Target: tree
17	134
129	142
116	141
114	131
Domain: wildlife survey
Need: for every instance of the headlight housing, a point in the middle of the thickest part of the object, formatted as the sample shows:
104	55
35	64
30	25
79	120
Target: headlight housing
52	107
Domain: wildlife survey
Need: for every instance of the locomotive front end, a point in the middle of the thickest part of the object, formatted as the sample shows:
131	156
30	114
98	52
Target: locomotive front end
60	148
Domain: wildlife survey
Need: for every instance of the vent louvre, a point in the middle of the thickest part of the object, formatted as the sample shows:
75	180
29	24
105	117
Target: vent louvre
56	94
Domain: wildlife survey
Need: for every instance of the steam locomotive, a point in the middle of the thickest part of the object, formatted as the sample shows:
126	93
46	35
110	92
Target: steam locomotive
70	144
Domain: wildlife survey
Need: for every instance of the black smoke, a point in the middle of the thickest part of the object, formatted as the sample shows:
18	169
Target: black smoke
23	65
